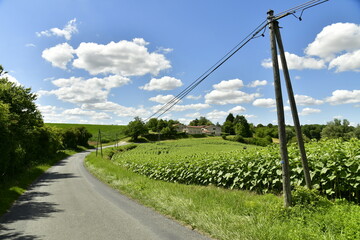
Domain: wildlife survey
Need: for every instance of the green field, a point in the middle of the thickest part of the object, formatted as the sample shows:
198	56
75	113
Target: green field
109	133
334	165
219	212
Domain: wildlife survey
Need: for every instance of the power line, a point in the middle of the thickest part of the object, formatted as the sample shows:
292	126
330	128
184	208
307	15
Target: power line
302	7
262	26
215	66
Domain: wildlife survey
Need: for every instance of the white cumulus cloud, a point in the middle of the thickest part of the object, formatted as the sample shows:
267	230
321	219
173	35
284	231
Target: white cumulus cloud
236	110
334	39
344	97
81	112
164	83
308	111
127	58
193	97
216	115
69	29
307	100
180	108
59	56
193	115
229	85
296	62
163	98
258	83
229	97
346	62
265	102
227	92
117	109
78	90
337	46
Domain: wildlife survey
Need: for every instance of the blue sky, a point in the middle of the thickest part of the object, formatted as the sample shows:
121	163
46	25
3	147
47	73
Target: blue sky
105	62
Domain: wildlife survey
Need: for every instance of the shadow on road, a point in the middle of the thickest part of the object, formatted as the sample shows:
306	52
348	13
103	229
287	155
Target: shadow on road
31	206
50	177
12	234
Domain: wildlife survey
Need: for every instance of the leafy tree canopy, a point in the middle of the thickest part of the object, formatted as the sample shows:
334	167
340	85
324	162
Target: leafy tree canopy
230	118
136	128
202	121
338	129
152	124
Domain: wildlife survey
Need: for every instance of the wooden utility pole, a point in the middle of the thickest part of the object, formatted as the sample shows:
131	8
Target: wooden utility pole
280	112
99	143
294	111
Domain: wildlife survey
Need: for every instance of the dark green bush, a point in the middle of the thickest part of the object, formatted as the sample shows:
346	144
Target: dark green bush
259	141
72	137
303	196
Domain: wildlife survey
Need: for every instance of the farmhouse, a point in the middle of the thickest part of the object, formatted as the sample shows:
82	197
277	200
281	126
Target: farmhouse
208	130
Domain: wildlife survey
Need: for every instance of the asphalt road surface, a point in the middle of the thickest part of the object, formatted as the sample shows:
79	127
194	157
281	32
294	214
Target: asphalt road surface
69	203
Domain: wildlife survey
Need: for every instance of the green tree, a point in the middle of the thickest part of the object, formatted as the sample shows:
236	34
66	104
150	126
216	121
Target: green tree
161	124
171	122
136	128
203	121
290	133
168	132
23	137
230	118
70	140
194	122
242	127
83	136
228	128
152	124
21	118
338	129
312	131
357	131
45	141
5	139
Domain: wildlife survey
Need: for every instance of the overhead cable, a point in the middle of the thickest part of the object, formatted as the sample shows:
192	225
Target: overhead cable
302	7
165	108
254	34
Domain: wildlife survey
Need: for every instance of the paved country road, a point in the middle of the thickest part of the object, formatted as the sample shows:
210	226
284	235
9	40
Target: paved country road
69	203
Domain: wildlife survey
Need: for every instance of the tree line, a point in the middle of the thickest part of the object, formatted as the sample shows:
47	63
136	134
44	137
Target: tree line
24	139
241	129
237	128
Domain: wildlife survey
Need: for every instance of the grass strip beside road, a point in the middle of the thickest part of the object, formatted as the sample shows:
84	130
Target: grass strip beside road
230	214
13	187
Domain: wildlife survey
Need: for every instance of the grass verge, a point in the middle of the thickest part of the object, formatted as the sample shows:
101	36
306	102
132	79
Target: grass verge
231	214
13	187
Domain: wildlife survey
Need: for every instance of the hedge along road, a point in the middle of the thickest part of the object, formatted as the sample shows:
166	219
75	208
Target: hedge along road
69	203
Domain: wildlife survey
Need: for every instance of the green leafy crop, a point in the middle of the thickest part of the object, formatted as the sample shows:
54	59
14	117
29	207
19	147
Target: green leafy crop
334	165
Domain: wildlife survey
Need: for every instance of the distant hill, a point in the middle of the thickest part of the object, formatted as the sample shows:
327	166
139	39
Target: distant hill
109	133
